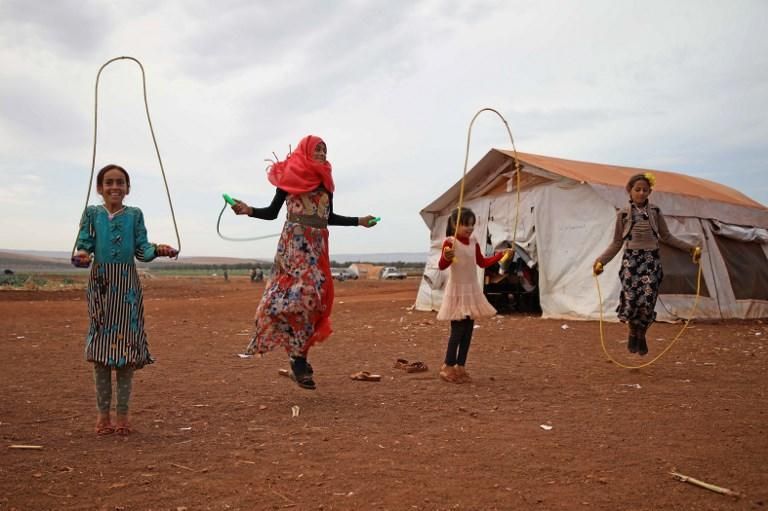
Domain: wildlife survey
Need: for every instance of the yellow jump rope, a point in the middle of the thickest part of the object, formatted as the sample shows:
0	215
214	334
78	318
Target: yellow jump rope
154	141
680	333
464	174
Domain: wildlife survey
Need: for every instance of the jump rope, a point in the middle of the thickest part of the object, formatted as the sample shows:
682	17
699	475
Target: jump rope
154	141
229	201
597	282
674	340
464	175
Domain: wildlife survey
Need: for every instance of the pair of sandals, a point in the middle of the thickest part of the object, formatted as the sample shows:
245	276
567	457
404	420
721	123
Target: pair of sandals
410	367
108	428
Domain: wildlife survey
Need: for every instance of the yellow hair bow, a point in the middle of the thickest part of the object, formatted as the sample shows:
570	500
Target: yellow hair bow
651	179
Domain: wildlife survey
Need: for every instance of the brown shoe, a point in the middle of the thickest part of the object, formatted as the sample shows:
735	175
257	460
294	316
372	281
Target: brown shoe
463	375
448	373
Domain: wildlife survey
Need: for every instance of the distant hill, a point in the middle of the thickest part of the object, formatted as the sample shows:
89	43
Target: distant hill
42	260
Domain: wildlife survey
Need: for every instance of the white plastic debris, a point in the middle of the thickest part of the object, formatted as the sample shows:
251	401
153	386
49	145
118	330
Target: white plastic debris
295	411
545	427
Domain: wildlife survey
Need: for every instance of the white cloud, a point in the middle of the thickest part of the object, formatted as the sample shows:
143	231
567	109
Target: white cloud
391	86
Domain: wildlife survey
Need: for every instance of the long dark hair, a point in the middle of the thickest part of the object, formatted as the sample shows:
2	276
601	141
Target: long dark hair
467	218
107	168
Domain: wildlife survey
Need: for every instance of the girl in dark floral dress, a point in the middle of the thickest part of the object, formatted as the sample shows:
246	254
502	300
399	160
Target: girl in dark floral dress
641	225
295	311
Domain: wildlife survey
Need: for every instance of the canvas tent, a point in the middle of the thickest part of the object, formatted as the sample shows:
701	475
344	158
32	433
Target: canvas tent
565	219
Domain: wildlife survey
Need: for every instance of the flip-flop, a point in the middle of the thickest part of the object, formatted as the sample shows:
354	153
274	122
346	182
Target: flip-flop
401	363
416	367
365	376
123	430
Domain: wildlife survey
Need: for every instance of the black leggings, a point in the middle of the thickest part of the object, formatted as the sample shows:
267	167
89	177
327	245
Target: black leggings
458	342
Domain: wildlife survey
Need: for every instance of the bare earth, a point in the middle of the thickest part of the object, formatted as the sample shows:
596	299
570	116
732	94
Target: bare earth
214	431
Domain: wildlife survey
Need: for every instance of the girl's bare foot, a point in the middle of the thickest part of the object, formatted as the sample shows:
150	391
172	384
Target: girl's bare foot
104	424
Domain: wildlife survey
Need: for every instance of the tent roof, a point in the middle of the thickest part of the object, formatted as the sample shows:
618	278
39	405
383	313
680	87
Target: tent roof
498	161
614	175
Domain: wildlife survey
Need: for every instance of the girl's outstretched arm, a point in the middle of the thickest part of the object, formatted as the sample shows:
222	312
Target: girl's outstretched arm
485	262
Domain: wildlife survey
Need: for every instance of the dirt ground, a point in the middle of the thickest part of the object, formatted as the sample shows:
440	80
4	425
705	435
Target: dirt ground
547	424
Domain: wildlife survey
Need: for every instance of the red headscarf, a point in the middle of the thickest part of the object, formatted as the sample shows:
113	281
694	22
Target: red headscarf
299	173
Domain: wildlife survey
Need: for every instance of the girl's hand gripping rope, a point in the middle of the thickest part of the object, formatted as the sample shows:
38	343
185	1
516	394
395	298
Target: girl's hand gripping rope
696	255
448	252
240	207
368	221
81	259
597	268
166	251
508	253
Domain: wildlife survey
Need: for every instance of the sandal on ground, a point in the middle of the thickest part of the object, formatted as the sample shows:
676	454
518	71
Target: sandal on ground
416	367
365	376
401	363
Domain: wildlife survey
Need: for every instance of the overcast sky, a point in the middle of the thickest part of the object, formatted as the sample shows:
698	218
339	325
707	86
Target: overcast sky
390	85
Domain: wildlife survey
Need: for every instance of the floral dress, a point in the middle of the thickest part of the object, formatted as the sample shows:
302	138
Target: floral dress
295	310
116	336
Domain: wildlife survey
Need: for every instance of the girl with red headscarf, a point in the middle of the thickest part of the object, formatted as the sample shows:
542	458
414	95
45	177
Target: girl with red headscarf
296	307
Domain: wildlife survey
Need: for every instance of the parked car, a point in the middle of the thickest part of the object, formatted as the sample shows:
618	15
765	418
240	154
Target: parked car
342	274
390	272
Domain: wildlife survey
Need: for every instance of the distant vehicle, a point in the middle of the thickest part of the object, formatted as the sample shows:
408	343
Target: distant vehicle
342	274
390	272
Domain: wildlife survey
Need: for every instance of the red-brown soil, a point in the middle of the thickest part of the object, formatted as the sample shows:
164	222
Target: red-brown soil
214	431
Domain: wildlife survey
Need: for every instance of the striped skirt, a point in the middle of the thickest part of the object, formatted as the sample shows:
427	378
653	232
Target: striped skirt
640	276
116	336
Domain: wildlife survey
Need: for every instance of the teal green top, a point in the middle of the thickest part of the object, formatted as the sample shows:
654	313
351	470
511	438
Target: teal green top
117	239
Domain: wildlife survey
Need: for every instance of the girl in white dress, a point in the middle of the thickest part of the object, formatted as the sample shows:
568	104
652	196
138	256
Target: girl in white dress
463	299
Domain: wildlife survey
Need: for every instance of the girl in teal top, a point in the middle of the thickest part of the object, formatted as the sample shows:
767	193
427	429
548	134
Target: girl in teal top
111	236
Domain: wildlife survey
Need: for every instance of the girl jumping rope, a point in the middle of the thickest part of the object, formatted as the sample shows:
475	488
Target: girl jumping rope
115	235
463	299
295	309
640	225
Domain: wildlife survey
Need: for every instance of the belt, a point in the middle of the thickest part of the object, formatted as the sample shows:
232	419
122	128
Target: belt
308	220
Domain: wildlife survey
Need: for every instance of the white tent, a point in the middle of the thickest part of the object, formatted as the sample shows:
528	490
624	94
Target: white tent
566	216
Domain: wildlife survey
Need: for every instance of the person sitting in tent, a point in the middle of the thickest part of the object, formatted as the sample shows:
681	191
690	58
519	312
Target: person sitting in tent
641	225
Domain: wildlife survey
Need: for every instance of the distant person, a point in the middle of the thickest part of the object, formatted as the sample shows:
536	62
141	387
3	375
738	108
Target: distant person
112	235
463	299
640	225
295	310
226	274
